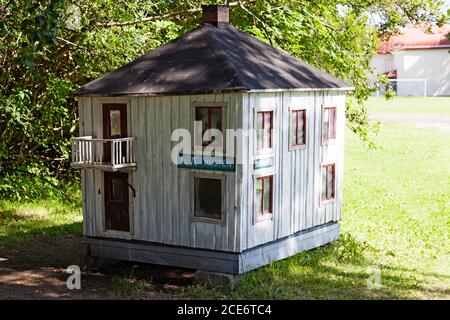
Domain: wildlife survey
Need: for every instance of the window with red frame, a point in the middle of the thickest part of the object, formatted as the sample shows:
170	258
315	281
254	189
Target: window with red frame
329	123
328	183
298	128
263	197
211	118
264	125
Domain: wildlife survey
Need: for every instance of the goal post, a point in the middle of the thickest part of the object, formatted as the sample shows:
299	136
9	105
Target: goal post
405	87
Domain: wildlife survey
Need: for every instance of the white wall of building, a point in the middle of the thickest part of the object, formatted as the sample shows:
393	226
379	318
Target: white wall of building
432	65
383	62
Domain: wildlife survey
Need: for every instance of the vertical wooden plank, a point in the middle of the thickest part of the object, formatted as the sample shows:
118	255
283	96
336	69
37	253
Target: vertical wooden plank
331	157
341	161
99	201
150	196
167	169
243	174
90	179
175	194
306	158
317	212
250	181
135	202
219	231
199	227
210	239
193	226
143	171
287	170
226	235
233	229
184	185
159	169
282	185
81	117
97	131
312	138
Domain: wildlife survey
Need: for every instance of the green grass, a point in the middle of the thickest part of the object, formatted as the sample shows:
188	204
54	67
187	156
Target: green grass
409	105
21	222
396	220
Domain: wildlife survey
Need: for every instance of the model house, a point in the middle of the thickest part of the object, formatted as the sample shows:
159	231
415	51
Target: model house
276	193
417	61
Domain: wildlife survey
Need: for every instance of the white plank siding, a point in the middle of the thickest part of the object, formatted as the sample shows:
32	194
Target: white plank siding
160	212
296	172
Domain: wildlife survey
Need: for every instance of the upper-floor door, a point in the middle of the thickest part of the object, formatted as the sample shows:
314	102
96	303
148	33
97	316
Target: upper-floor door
114	125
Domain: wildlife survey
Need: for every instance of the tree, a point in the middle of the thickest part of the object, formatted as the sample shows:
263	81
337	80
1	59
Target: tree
50	47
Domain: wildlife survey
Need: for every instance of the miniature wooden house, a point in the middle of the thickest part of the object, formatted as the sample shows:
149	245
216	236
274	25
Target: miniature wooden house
284	196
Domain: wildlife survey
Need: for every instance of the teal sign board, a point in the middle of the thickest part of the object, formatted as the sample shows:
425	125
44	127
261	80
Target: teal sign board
263	163
207	163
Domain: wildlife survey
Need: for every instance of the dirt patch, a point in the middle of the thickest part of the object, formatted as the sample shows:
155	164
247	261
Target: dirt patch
439	122
37	270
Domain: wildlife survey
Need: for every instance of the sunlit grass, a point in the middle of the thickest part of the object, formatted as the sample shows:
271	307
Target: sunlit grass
409	105
22	221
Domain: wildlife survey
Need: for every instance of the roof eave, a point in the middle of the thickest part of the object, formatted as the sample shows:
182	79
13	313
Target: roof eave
304	89
152	94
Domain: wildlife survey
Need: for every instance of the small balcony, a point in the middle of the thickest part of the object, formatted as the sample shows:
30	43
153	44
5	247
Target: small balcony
104	154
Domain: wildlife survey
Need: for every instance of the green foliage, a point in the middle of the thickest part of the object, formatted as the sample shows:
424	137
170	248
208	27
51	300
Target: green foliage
48	50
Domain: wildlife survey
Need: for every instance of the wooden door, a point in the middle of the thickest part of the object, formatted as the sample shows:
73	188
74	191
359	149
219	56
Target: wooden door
117	215
114	125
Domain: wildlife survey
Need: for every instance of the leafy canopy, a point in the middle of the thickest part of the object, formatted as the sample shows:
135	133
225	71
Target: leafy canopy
50	47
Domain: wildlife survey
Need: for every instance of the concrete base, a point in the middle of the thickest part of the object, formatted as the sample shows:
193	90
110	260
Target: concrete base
210	260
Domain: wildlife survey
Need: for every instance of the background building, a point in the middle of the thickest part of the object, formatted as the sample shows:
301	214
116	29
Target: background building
417	61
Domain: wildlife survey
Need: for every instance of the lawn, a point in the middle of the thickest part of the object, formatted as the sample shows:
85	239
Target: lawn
395	228
410	105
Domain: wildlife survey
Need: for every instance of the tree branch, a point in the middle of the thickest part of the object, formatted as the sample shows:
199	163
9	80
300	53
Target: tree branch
146	19
162	16
263	24
3	9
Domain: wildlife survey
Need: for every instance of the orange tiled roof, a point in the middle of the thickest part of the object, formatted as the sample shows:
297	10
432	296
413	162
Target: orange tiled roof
411	38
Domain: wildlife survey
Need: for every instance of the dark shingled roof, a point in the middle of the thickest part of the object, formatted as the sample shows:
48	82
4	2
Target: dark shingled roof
211	59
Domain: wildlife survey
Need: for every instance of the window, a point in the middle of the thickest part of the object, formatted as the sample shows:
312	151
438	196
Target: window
211	118
329	124
208	198
264	125
264	197
298	128
328	174
114	117
118	188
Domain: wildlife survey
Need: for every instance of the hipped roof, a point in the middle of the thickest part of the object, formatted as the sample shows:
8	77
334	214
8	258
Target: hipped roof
417	37
211	59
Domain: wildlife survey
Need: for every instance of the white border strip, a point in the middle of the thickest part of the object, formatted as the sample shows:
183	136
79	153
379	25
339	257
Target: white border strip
302	89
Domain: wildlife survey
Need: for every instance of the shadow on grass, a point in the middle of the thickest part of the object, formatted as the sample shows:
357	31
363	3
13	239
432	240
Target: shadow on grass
340	270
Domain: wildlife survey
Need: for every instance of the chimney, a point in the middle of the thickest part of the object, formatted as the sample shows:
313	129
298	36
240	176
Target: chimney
216	15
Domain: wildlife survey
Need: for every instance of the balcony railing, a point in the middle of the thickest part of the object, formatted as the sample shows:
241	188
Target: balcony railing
106	154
